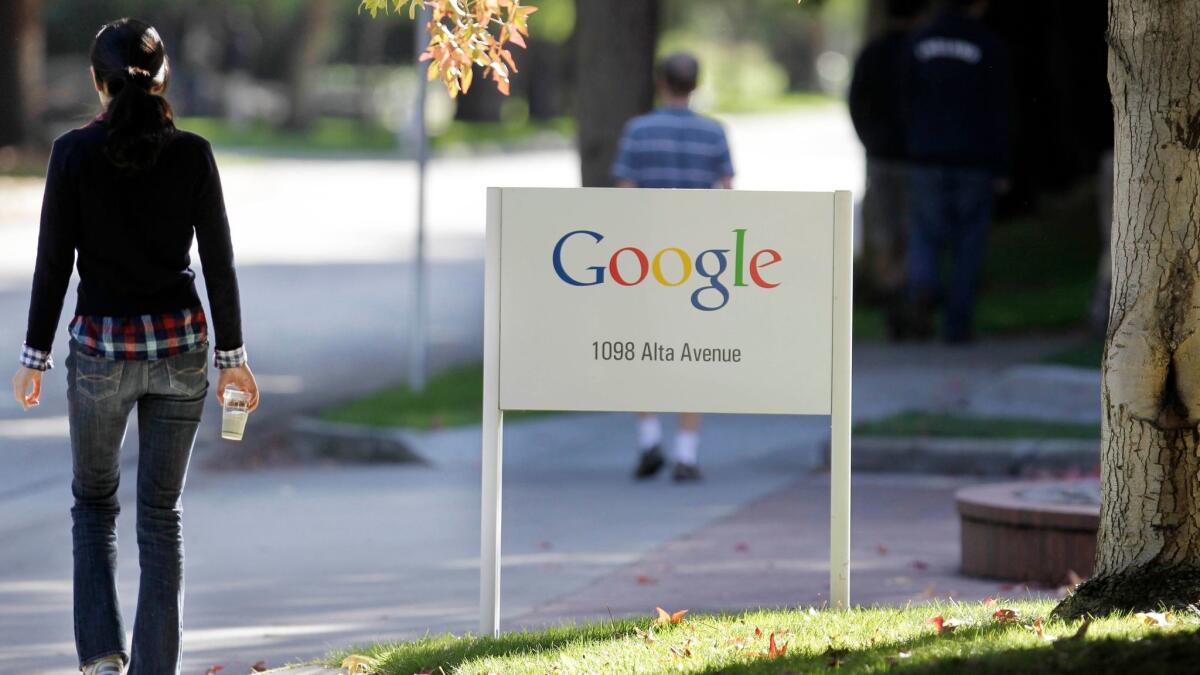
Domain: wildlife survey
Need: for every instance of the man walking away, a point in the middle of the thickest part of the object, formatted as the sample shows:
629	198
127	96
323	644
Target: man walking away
877	111
957	96
673	147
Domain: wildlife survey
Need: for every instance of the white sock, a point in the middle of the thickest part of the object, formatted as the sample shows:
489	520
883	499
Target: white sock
649	432
686	443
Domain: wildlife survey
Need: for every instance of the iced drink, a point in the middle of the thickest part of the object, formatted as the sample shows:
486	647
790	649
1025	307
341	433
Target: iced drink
234	413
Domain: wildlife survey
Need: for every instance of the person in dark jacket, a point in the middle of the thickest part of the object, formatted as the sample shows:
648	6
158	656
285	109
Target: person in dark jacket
957	96
876	108
126	195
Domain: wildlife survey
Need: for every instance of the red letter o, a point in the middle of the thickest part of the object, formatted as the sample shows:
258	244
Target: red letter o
615	273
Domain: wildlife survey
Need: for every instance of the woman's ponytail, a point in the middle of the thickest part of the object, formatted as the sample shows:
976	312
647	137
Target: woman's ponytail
129	59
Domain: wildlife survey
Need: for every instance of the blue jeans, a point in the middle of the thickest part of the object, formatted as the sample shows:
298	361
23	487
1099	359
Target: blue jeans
950	208
169	395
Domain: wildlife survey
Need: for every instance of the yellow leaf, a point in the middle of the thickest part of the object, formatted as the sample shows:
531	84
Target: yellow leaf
356	664
467	76
1156	619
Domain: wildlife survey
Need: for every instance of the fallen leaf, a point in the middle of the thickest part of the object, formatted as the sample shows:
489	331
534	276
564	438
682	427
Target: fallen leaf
1040	631
213	670
646	635
668	618
881	549
774	652
757	632
1079	633
741	547
643	580
944	625
1155	619
1005	615
259	667
920	565
356	664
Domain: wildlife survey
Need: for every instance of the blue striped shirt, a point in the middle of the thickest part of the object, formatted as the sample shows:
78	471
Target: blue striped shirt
673	147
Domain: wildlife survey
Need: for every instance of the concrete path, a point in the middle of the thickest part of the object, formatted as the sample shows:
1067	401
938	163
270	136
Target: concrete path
774	552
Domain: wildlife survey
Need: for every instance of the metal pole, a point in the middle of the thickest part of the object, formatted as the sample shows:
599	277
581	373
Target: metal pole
492	458
839	471
418	352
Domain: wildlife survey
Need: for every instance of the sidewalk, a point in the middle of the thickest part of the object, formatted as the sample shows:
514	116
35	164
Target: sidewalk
285	564
774	552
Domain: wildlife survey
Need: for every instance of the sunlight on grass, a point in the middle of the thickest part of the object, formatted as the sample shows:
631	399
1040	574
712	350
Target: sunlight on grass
858	641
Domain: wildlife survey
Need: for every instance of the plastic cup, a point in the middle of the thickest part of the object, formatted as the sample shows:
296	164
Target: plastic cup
234	413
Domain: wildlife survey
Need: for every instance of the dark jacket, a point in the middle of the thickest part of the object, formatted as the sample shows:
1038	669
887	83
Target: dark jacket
876	106
957	95
133	231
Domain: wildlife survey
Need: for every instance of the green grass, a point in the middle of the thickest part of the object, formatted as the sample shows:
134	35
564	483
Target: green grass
327	135
872	640
1087	353
452	397
937	425
1038	274
334	135
469	134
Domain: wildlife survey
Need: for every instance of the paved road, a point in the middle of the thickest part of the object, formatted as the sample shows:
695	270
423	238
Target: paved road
286	562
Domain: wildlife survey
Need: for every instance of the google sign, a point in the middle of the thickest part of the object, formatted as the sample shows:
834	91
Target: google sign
710	301
710	264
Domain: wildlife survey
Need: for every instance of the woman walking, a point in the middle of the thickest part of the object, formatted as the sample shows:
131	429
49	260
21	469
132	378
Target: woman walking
127	193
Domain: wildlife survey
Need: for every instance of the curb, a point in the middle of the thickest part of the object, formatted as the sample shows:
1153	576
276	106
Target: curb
972	456
318	439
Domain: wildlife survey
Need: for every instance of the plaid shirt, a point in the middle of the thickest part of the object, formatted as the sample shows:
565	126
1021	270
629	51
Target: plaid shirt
139	338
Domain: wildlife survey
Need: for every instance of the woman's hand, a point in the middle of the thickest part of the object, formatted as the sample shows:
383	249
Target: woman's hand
27	387
242	379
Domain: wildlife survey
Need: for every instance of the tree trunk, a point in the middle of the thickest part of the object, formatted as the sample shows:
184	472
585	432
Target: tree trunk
309	50
22	53
615	77
1148	551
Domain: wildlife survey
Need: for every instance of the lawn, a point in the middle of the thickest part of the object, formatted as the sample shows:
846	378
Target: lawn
452	397
1087	353
328	135
938	425
872	640
1038	274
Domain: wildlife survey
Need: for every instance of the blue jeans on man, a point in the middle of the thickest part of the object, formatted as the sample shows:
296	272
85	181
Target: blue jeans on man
950	210
169	396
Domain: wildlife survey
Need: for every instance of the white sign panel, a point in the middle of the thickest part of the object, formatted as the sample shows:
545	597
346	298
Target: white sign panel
666	300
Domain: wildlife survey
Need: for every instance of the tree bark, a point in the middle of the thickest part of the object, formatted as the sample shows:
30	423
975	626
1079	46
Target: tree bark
310	49
22	53
1148	551
615	79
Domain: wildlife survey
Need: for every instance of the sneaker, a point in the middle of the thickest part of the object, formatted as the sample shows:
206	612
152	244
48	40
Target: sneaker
687	473
651	462
108	665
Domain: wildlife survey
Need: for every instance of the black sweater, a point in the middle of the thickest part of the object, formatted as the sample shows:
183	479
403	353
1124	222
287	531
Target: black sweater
958	95
876	107
133	232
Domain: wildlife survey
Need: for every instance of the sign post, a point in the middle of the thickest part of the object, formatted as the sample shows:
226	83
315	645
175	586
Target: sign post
711	301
